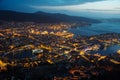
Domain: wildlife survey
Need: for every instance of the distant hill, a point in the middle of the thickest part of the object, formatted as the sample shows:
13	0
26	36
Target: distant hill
42	17
114	20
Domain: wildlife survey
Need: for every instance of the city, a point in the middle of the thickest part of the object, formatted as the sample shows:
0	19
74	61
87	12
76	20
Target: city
59	39
32	51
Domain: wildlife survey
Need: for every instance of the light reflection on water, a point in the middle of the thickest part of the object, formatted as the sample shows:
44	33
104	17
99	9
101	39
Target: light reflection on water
97	29
110	50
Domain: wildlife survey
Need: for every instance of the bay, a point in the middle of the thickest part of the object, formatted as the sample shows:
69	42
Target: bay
96	29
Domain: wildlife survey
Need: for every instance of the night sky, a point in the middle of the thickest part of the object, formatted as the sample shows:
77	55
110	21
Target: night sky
87	8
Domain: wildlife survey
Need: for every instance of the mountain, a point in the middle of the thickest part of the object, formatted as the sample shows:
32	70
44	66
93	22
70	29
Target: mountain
42	17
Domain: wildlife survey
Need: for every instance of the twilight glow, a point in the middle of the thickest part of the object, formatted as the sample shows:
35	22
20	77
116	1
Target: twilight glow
109	6
89	8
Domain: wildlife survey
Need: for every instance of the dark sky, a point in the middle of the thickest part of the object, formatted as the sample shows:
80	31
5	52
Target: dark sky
89	8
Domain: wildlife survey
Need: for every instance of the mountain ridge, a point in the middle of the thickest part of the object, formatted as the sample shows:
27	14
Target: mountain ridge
42	17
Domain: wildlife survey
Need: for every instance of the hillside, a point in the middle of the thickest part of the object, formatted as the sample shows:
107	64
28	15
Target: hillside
42	17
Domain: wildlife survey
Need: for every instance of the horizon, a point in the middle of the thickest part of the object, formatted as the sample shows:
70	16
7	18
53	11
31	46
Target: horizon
99	18
86	8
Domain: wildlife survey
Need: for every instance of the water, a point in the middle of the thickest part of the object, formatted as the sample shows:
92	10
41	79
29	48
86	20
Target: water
110	50
96	29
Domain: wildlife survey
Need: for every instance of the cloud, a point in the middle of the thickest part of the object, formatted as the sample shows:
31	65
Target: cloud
61	2
51	2
70	2
118	8
107	6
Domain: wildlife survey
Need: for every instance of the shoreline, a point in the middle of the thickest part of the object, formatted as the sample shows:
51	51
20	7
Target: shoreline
35	52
